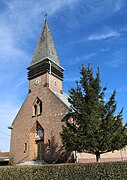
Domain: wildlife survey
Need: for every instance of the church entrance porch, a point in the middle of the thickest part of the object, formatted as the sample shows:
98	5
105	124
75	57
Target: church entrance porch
39	142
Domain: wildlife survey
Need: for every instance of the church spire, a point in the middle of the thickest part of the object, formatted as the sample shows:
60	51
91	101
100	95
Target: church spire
45	48
45	58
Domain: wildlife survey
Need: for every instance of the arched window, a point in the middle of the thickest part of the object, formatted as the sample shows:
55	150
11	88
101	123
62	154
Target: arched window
37	107
25	147
49	143
40	107
35	110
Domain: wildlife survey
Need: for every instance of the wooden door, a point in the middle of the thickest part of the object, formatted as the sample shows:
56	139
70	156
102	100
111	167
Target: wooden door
40	150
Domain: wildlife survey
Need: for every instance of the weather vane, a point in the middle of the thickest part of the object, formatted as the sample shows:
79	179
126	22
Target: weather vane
46	15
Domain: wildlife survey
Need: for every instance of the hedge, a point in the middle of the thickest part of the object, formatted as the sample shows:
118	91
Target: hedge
93	171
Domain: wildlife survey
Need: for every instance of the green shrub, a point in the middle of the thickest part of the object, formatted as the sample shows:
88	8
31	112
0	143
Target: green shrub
93	171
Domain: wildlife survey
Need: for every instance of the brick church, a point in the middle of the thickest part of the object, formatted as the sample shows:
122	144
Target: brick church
35	131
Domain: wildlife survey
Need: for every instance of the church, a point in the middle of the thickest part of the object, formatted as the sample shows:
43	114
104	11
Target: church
35	131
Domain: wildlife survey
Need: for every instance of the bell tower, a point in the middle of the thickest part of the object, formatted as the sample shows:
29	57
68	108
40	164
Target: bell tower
45	65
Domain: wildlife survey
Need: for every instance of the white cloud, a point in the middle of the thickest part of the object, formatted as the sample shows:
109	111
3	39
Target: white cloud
53	6
8	111
118	5
89	56
20	21
118	58
71	79
20	83
103	35
6	118
83	59
105	49
123	29
8	47
97	37
97	10
115	63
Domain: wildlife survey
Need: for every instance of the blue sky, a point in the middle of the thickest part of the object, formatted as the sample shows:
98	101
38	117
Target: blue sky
84	31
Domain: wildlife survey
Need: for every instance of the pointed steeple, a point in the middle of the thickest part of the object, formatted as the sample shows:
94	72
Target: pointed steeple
45	48
45	58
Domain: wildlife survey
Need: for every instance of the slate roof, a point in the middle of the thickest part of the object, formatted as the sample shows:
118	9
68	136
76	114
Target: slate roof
63	97
45	47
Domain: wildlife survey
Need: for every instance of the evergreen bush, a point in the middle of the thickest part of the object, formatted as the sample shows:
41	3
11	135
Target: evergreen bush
92	171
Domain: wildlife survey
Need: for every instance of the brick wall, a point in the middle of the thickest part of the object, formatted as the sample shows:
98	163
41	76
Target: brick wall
24	125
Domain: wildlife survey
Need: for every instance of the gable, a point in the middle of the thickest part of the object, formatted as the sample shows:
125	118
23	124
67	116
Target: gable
62	97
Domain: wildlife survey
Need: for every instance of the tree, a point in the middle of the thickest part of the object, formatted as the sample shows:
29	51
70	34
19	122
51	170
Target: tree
95	128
